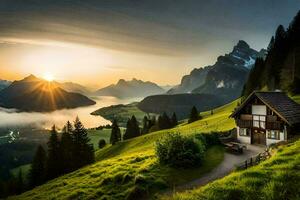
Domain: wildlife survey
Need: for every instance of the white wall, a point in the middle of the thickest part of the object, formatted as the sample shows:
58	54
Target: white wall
259	110
243	139
272	141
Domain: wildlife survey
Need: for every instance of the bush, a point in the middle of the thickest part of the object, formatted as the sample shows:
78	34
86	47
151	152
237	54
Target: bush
101	143
209	139
179	151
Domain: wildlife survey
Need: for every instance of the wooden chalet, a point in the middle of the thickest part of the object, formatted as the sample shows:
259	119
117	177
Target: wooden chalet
266	118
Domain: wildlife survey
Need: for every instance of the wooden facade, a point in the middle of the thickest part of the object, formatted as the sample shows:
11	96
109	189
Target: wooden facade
266	117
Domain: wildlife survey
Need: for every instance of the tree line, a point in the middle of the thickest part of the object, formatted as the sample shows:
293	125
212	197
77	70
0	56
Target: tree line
64	154
280	69
150	124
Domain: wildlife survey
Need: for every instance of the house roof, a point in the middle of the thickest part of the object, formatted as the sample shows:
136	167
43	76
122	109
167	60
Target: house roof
279	102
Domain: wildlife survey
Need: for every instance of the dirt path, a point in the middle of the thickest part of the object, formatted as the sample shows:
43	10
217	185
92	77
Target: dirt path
228	165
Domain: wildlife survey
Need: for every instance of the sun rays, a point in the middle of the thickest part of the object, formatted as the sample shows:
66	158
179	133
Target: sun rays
48	77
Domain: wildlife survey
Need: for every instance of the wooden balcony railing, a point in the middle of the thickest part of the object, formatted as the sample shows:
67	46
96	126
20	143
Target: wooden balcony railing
268	125
244	123
274	125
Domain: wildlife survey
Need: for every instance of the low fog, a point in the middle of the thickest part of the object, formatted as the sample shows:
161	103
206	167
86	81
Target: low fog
11	118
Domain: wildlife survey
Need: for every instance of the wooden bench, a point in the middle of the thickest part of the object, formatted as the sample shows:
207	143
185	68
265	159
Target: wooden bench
235	147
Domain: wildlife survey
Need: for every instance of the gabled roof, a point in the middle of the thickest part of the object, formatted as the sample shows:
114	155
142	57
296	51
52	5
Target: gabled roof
279	102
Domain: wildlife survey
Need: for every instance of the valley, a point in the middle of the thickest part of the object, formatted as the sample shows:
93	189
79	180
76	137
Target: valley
149	100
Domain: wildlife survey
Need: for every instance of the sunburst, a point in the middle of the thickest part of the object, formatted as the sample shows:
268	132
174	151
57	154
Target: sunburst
48	77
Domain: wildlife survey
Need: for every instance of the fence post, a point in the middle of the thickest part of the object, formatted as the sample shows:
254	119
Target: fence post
246	164
251	161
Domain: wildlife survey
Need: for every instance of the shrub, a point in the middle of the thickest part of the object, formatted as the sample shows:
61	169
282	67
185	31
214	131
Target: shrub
101	143
179	151
209	139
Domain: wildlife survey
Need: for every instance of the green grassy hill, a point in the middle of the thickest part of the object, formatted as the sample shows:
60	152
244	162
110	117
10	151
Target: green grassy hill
276	178
122	113
130	169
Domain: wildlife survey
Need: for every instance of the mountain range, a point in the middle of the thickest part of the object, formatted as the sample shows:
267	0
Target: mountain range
4	84
181	104
34	94
130	89
74	87
225	78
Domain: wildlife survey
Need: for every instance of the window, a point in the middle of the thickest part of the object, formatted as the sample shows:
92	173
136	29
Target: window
259	121
262	124
244	132
273	134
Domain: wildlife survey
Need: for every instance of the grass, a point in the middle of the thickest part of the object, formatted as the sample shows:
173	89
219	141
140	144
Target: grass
25	170
96	135
296	98
129	169
121	177
219	121
121	112
276	178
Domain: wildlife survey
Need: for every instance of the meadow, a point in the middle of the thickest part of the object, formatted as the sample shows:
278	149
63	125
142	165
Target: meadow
121	113
129	169
276	178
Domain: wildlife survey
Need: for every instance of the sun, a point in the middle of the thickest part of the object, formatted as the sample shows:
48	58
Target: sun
48	77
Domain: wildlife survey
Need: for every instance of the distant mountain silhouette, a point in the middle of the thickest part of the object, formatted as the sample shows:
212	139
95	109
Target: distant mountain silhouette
130	89
4	84
34	94
74	87
181	104
225	78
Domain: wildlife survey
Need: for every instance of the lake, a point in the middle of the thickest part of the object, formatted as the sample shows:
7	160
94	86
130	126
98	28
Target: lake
11	118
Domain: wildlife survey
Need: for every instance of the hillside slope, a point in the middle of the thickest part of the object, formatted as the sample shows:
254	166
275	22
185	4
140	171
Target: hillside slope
130	168
181	104
121	113
276	178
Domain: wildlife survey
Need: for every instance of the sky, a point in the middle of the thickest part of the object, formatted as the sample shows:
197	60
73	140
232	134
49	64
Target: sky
97	42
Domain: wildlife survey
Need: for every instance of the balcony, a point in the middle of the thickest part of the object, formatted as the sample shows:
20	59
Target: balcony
274	125
246	121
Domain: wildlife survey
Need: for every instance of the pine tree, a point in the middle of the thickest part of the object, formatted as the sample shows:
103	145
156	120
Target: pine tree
254	82
146	123
132	129
83	151
160	122
20	183
174	120
128	131
54	162
69	127
271	44
66	148
38	167
135	127
194	115
115	135
166	121
294	31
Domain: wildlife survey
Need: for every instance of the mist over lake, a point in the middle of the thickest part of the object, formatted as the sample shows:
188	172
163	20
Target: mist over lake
12	118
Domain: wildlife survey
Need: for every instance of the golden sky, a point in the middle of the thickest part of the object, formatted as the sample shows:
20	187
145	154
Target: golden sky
99	42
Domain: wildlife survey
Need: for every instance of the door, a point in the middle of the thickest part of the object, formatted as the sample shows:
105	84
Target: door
258	137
